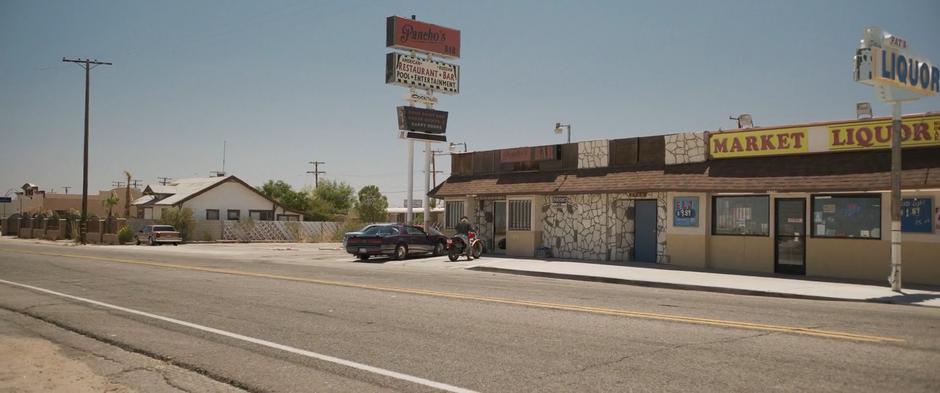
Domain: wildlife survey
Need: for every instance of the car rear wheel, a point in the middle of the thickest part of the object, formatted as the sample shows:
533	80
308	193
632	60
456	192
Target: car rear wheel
401	251
439	249
138	240
363	257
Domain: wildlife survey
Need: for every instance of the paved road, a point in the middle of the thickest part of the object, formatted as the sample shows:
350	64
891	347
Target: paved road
272	318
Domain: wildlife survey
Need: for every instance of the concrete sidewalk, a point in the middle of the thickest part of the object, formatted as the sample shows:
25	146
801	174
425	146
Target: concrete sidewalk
666	276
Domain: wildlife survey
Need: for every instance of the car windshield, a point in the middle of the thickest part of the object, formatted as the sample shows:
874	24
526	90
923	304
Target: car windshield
163	228
382	230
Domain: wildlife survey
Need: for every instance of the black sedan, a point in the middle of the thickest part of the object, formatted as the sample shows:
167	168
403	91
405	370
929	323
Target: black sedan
395	240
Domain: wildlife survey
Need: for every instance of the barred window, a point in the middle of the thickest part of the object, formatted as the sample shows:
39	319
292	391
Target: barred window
453	210
520	215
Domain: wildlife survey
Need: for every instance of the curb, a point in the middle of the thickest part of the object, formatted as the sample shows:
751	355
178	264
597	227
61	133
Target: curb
666	285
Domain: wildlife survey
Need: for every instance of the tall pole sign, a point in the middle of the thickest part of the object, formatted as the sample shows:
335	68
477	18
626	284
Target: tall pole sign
885	62
417	70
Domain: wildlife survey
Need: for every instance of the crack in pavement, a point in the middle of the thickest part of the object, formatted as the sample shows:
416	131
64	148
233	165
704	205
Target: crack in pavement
127	347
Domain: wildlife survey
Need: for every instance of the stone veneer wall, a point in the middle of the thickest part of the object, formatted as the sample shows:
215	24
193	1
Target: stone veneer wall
598	227
685	148
593	154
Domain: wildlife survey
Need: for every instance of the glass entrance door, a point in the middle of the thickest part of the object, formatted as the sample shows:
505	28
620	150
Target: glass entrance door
790	236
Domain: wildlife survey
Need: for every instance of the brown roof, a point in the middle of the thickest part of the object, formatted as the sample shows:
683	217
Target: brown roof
851	171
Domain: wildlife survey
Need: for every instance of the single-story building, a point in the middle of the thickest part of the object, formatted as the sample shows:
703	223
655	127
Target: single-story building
33	200
805	199
212	198
400	214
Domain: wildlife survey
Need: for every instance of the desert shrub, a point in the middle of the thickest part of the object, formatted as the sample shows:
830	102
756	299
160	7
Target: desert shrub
181	219
125	235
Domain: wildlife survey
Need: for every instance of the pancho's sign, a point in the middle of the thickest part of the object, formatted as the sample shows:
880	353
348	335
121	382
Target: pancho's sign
411	71
410	34
857	135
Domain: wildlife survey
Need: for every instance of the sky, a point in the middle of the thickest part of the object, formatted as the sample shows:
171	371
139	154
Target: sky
283	83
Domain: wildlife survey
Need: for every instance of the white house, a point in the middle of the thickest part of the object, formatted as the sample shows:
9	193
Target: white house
212	198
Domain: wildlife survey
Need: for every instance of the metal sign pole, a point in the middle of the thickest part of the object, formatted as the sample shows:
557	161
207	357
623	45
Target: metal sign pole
427	184
411	181
895	277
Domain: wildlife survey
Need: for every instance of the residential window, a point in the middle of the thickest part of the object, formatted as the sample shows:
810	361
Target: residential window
261	215
847	216
212	214
288	217
741	215
234	215
520	215
454	211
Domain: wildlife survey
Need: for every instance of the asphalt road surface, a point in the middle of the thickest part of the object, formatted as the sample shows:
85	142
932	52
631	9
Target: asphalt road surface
273	318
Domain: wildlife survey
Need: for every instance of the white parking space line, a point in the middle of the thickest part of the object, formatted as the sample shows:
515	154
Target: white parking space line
258	341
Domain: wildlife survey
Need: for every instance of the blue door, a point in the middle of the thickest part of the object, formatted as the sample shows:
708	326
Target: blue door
645	225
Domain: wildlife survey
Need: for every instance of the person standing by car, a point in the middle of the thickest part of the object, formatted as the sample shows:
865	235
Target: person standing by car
463	229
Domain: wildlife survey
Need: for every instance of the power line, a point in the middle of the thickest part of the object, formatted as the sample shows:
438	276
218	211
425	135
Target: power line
66	188
164	180
135	183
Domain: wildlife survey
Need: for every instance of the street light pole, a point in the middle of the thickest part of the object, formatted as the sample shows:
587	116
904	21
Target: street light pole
87	65
558	127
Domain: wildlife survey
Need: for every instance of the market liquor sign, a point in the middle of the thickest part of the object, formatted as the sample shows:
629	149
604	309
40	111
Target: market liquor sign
758	143
408	34
411	71
916	131
923	131
884	60
422	120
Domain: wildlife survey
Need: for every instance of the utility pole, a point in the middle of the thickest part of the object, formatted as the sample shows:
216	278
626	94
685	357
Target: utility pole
87	65
66	189
135	183
164	180
117	184
316	172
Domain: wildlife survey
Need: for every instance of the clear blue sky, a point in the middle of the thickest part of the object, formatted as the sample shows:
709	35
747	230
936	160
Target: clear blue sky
287	82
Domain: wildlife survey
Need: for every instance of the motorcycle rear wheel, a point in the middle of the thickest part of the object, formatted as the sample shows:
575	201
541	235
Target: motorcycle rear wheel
452	254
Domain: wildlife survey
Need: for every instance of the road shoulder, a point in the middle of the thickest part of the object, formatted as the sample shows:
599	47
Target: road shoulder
39	356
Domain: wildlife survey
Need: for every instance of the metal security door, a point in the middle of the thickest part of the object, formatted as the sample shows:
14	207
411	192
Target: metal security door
645	225
790	236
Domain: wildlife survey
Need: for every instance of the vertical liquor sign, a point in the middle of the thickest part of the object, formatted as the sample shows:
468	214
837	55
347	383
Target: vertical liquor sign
418	70
886	62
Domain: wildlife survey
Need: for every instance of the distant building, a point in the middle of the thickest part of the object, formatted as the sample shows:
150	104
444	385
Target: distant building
32	200
212	198
400	214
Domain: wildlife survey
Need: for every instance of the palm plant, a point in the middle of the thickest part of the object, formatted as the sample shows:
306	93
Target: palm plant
110	202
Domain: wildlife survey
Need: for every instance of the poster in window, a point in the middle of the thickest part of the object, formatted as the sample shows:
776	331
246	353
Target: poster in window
685	211
915	215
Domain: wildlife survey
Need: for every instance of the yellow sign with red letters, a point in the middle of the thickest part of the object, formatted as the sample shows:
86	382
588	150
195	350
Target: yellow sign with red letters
857	135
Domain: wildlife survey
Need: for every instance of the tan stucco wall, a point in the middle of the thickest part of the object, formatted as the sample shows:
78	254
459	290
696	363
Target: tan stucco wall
686	250
870	260
742	253
522	243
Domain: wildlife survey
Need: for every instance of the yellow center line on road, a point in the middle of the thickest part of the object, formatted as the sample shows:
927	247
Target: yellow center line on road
489	299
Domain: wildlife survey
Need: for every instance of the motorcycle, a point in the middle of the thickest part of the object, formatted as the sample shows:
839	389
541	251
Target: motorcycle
456	247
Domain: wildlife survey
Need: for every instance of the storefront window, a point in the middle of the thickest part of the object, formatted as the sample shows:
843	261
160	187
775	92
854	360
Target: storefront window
849	216
741	215
453	211
520	215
